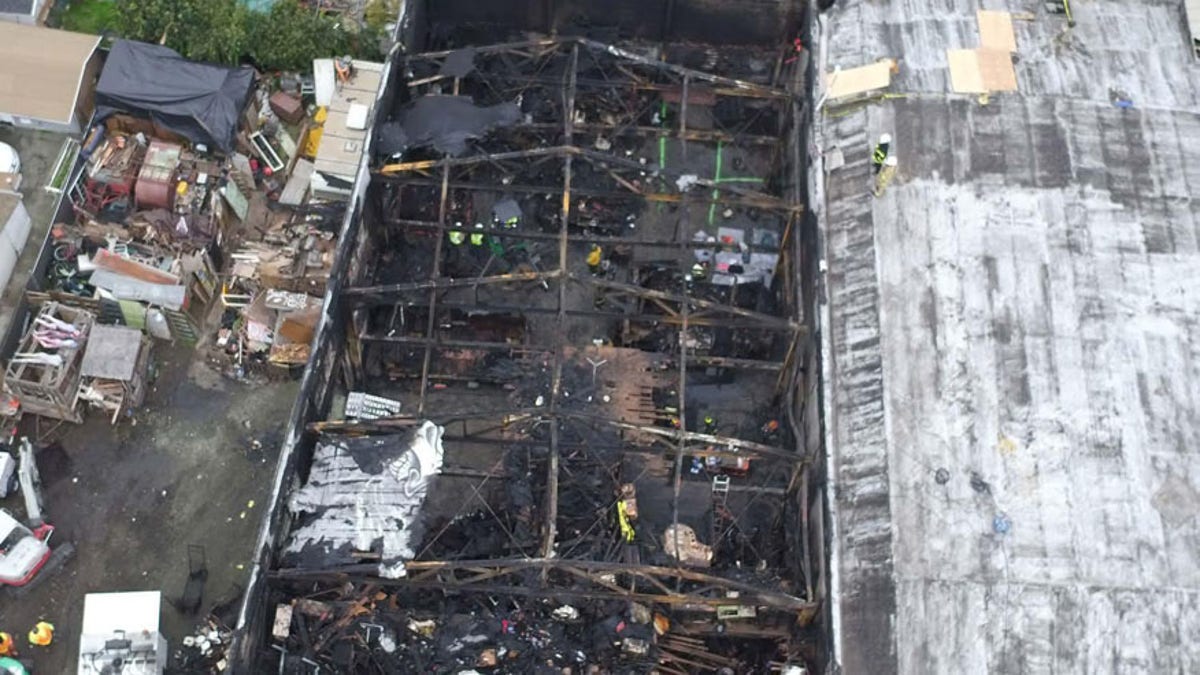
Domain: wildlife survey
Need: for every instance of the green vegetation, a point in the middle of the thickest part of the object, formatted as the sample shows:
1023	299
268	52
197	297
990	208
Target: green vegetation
378	13
66	160
288	37
90	16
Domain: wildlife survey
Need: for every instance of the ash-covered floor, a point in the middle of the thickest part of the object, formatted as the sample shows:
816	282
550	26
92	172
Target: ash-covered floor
133	497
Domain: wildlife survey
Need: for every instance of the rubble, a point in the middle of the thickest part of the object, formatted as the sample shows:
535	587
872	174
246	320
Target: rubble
205	650
568	257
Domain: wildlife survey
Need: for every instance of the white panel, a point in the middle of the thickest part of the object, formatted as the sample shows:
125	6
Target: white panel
16	230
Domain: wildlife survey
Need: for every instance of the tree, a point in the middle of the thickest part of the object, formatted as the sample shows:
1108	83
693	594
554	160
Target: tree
154	20
290	36
219	32
201	30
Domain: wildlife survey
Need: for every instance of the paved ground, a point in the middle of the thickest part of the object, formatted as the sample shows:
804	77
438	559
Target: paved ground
38	151
133	498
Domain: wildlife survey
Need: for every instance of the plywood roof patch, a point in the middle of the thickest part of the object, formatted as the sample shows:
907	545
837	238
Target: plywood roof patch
843	83
965	76
996	31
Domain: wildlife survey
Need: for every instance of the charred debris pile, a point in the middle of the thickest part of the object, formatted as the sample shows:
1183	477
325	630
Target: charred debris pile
567	438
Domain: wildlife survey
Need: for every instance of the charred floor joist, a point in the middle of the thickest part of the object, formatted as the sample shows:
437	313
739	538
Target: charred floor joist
579	270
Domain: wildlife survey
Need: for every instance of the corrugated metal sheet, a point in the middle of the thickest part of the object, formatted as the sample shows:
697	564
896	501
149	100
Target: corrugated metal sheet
128	288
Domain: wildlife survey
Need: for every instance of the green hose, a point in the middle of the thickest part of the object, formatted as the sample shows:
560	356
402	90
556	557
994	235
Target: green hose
712	208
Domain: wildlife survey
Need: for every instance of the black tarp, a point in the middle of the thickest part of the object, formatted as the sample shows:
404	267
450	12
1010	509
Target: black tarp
444	123
199	101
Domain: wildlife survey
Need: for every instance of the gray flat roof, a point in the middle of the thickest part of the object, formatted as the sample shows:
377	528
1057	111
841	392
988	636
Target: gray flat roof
1013	330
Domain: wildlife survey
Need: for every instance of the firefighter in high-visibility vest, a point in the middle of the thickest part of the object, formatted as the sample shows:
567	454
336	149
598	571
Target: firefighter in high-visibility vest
595	259
457	236
627	531
477	235
880	153
710	424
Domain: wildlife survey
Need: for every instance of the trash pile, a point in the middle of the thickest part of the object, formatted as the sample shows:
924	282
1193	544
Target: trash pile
538	637
204	651
44	374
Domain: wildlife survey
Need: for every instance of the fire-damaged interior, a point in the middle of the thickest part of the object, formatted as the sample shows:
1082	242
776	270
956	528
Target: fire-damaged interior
559	415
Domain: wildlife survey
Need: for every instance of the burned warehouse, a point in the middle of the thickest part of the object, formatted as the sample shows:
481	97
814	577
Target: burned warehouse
561	413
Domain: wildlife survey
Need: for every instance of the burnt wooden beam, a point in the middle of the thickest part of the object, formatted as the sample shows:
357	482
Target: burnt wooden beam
500	48
765	319
440	574
441	283
435	270
702	136
769	204
677	483
651	318
553	236
550	506
731	86
692	359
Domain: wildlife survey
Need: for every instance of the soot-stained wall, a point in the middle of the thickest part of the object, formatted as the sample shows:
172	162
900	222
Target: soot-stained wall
709	21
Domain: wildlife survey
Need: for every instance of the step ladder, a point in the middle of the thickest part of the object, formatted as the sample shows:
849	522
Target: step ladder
721	517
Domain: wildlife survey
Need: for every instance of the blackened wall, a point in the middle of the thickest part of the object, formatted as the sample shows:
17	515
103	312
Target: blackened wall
732	22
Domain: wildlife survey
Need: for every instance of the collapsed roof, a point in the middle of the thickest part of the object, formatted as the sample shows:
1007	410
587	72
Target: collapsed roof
199	101
583	463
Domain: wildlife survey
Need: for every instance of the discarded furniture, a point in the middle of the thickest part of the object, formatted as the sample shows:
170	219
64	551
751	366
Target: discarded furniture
193	588
156	179
689	550
115	362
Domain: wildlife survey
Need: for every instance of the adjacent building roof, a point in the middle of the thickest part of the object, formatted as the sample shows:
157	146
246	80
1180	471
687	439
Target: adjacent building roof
1013	346
341	146
43	70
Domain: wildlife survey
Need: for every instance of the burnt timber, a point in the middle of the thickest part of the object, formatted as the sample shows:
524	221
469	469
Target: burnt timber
564	383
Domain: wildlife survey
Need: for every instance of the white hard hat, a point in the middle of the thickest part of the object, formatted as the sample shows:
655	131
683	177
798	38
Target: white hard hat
885	138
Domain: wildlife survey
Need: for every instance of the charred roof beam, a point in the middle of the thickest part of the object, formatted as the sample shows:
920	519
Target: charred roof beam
393	294
692	359
541	48
652	582
728	193
665	436
546	236
550	506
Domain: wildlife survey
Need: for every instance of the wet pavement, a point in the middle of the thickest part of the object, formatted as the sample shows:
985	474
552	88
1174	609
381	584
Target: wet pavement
195	469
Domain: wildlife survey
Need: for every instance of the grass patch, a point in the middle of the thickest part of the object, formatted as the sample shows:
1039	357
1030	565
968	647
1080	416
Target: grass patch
90	16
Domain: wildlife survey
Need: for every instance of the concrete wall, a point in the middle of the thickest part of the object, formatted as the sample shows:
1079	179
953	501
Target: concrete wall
71	128
85	100
13	236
